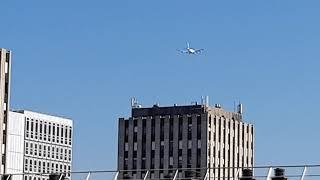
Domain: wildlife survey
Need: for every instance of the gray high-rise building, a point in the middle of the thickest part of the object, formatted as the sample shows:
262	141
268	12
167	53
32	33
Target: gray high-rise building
5	76
163	139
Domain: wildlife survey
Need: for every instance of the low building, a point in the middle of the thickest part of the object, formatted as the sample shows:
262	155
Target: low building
38	143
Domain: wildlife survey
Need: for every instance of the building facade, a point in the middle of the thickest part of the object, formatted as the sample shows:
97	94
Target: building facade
38	143
5	80
206	139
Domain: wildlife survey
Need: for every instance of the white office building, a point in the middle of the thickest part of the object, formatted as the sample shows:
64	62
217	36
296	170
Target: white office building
38	143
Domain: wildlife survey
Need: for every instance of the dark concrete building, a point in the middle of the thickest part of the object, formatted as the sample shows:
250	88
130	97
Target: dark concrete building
163	139
5	82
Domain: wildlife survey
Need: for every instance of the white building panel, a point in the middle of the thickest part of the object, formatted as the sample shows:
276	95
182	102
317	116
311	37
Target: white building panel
15	144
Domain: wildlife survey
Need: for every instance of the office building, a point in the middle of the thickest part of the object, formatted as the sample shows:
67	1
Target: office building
163	139
38	143
5	80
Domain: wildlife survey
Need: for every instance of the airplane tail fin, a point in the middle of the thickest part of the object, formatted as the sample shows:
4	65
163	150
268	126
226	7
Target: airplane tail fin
188	45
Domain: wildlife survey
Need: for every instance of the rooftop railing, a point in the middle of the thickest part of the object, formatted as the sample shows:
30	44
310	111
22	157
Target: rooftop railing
281	172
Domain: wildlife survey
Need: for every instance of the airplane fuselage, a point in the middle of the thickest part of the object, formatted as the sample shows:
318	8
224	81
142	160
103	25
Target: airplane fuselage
191	50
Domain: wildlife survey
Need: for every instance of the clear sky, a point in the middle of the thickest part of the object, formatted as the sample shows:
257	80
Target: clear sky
86	59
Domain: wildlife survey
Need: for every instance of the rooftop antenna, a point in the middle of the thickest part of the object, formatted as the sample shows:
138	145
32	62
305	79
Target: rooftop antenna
240	108
202	100
207	101
134	103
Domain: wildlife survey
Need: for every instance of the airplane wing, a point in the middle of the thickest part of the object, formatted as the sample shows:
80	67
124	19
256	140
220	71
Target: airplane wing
182	51
199	50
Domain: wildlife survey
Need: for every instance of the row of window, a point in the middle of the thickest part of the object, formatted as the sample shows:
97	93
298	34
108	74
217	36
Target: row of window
153	145
162	128
45	151
41	166
36	177
161	157
48	131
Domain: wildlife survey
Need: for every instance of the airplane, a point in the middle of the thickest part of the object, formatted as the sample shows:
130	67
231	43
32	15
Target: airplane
190	50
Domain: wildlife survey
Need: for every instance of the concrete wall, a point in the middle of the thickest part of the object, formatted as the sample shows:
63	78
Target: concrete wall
15	145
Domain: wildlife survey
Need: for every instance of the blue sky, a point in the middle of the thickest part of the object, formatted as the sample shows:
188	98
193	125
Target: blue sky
86	59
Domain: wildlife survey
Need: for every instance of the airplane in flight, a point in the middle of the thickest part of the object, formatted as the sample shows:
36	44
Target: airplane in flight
190	50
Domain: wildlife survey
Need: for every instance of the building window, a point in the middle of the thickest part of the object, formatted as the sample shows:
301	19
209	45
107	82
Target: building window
31	133
30	165
35	149
45	131
27	148
53	132
66	136
49	152
61	154
70	135
40	130
31	149
35	165
39	166
199	127
36	130
49	132
48	167
69	154
57	153
26	165
62	137
153	124
161	129
44	151
27	124
58	132
43	167
134	165
40	150
52	150
189	127
65	154
180	128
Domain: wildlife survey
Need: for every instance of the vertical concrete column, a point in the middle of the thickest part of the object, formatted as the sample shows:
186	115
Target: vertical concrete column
130	145
253	148
148	143
184	141
221	146
226	147
166	143
204	143
194	141
231	147
245	145
157	146
175	141
212	144
139	146
217	145
236	142
240	144
121	136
